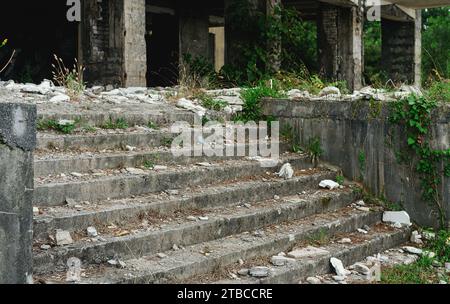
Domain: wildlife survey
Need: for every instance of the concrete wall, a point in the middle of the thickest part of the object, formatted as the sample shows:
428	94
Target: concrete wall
17	142
350	129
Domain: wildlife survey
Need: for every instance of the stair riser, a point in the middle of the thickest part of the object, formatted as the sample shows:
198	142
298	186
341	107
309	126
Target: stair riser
126	186
84	165
264	250
191	233
244	194
106	141
100	119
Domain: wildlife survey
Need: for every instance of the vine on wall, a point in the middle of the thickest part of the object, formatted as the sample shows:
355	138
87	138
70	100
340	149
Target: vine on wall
414	113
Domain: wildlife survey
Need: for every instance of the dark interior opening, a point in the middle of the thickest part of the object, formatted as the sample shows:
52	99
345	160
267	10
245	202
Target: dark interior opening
162	49
36	30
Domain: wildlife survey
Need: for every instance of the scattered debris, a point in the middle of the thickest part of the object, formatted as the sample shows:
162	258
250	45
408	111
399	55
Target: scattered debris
287	172
329	184
313	280
309	251
416	237
339	267
63	238
345	241
401	217
92	232
260	272
413	250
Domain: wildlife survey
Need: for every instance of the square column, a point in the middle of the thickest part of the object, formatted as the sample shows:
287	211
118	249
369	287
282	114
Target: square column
340	46
402	49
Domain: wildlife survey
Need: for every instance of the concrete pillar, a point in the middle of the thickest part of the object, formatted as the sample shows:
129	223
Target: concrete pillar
102	40
135	48
193	31
402	49
340	45
17	142
113	39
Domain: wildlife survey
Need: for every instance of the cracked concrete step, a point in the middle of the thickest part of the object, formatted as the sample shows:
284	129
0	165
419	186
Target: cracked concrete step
117	140
82	162
94	189
71	218
207	257
379	239
99	118
183	232
136	137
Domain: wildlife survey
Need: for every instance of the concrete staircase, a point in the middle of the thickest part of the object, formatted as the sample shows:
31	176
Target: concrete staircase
188	221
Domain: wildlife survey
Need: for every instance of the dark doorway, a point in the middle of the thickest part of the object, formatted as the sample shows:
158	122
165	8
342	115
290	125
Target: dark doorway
36	30
162	49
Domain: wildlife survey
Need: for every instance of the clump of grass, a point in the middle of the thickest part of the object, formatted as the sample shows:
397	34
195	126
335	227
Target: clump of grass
152	125
72	79
252	97
340	179
314	150
119	123
420	272
439	91
51	124
211	103
148	164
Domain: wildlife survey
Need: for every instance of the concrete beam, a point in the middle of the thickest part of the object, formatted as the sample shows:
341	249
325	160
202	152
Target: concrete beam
17	142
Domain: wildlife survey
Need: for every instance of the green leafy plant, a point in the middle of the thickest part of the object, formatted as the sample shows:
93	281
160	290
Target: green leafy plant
252	97
211	103
152	125
148	164
50	124
314	150
119	123
340	179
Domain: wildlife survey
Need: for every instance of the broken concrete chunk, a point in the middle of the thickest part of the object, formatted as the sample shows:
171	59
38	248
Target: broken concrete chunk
345	241
412	250
330	91
339	267
280	260
161	255
416	237
309	251
63	238
313	280
35	211
286	172
259	272
92	232
364	209
243	272
160	168
361	268
329	184
76	174
60	98
135	171
401	217
374	274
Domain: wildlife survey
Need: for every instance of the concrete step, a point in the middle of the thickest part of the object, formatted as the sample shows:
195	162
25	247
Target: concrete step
97	117
53	163
161	236
48	141
263	187
55	191
380	238
211	256
136	137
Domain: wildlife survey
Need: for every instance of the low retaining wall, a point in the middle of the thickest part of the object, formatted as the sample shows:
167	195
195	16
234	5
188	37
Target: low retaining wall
358	137
17	142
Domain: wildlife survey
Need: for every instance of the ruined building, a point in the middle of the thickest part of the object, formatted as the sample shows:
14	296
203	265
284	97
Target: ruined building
140	42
